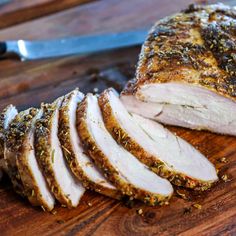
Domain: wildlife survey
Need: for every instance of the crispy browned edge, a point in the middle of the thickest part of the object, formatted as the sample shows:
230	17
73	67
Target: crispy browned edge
64	136
44	152
3	136
14	137
31	188
104	164
154	163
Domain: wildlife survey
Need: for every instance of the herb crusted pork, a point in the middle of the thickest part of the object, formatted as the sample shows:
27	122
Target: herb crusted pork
7	115
117	164
62	183
80	163
185	77
165	153
186	74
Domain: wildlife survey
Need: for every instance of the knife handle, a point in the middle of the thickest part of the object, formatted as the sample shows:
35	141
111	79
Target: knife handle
3	48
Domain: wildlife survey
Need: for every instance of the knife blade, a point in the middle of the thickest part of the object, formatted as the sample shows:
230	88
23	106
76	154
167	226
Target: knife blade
80	45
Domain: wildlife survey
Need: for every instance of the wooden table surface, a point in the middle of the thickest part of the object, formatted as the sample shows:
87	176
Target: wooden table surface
27	84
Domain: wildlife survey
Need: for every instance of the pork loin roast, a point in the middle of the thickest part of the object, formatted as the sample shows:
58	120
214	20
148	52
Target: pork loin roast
80	163
7	115
35	185
186	74
62	182
126	172
13	146
165	153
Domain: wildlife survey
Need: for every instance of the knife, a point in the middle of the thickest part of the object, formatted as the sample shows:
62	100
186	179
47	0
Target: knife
80	45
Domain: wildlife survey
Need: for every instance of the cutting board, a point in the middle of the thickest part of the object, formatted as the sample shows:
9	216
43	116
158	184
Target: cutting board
27	84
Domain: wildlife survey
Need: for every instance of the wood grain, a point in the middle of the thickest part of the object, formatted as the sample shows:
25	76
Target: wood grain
97	17
46	80
29	83
16	11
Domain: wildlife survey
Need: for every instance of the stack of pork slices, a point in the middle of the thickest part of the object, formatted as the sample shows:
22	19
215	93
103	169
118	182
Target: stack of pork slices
53	154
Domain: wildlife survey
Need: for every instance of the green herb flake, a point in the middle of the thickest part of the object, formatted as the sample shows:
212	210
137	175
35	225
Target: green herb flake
53	155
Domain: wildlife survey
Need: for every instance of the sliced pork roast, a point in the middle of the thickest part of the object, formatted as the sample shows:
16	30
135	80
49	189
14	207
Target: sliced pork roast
13	147
166	154
7	115
65	187
80	163
35	186
187	71
125	171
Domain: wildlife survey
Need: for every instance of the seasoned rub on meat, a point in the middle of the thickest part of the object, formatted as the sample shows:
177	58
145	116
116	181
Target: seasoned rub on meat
7	115
126	172
186	74
13	147
166	154
63	184
80	163
35	185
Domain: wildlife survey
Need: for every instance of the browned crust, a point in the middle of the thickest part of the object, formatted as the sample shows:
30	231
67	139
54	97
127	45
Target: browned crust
23	169
32	190
155	164
2	131
170	54
44	152
64	136
14	140
3	117
104	164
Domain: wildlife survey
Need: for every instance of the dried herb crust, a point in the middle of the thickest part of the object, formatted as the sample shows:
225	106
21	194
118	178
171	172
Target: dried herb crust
109	171
44	151
15	137
31	187
4	123
2	133
197	46
155	164
65	139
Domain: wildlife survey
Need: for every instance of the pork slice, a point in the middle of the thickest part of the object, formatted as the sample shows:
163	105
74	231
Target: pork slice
35	185
187	71
80	163
126	172
13	137
7	115
65	187
165	153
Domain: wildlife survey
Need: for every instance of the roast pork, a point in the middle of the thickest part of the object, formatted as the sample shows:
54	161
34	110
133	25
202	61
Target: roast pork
187	71
35	185
13	146
126	172
63	184
165	153
80	163
7	115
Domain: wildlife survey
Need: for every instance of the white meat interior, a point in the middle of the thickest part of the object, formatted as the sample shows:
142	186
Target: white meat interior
84	161
36	171
158	141
70	186
129	168
186	105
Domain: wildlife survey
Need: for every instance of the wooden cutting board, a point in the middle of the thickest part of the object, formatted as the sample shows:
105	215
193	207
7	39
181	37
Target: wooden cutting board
29	83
